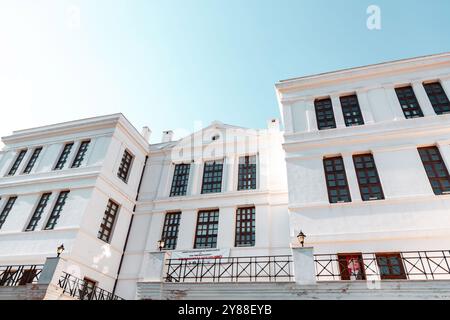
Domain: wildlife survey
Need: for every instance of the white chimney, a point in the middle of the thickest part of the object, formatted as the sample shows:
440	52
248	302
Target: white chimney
167	136
146	132
273	124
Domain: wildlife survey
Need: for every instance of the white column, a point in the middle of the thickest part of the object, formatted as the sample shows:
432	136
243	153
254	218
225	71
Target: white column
364	104
288	119
444	149
195	178
394	104
232	164
186	233
337	109
445	83
262	227
304	269
351	178
154	263
422	98
225	237
311	116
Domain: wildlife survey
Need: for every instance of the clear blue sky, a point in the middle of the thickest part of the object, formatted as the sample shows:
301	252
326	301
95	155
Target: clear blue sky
169	63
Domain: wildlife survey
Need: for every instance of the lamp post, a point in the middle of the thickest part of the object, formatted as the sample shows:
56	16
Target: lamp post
160	245
60	250
301	238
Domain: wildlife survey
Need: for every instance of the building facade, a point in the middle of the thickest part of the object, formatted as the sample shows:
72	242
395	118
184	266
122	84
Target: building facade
360	168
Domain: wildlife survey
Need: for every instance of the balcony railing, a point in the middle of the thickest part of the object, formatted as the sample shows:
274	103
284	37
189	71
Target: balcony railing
231	269
411	265
18	275
84	290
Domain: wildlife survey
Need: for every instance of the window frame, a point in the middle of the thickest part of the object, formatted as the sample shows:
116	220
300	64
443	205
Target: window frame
351	120
344	270
405	100
247	183
212	189
20	155
368	185
390	276
80	156
58	206
320	103
212	220
180	175
437	105
103	225
32	160
335	173
239	233
63	156
443	190
7	207
170	229
38	212
129	164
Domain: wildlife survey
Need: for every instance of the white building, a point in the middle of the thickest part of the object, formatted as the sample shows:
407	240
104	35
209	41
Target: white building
360	168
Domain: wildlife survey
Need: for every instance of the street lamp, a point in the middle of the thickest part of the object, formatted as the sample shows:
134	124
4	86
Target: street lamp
301	238
60	250
160	244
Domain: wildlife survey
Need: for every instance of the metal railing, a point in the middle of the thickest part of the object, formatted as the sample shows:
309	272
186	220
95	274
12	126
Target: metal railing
411	265
83	290
230	269
18	275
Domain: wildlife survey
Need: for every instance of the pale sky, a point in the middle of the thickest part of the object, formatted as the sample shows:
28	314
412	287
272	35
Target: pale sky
170	63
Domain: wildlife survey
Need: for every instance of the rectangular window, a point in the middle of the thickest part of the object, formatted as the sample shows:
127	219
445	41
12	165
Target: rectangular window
368	179
351	266
17	162
408	101
56	212
207	229
88	289
436	170
391	266
247	173
107	224
81	153
6	209
438	98
352	111
32	160
336	179
38	212
64	155
180	180
324	114
245	227
212	177
170	230
125	166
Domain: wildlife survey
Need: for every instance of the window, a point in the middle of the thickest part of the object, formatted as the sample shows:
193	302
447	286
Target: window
352	111
6	209
207	229
324	114
88	290
368	180
107	224
81	153
438	98
436	170
180	180
247	173
56	212
170	230
64	155
336	179
38	212
32	160
125	166
245	227
17	162
390	265
212	177
351	266
408	101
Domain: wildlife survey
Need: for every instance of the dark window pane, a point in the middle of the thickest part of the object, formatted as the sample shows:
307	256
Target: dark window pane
368	179
56	212
17	162
32	160
352	111
180	180
207	229
390	266
212	177
324	114
64	155
436	170
409	103
125	166
247	173
81	153
438	98
6	209
107	224
245	227
336	180
170	230
38	212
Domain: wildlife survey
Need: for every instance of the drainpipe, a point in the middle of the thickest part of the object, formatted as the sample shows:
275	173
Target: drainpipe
129	227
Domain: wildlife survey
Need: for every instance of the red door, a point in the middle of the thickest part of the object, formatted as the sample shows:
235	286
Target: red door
351	266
